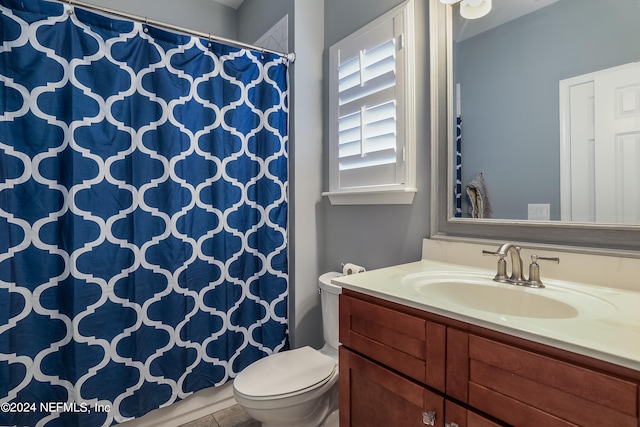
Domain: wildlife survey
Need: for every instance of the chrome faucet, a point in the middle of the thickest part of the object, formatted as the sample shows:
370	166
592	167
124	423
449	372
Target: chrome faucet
516	261
517	275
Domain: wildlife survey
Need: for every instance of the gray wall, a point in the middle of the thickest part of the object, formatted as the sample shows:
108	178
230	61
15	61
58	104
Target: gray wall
510	99
200	15
379	235
255	17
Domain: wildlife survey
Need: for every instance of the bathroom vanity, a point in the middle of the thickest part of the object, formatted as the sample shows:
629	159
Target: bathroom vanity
413	357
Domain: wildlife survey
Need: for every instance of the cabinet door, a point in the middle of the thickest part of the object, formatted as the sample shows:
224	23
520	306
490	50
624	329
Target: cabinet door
373	396
408	344
457	416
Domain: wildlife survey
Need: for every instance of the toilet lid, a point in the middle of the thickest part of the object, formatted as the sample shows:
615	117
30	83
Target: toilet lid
285	373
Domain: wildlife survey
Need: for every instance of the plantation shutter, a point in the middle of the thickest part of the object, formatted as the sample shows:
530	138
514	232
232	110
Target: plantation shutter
369	148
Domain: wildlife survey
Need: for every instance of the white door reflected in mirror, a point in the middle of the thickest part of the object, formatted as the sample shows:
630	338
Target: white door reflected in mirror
600	146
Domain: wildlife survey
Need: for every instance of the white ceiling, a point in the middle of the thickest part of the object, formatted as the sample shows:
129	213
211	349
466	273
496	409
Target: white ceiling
231	3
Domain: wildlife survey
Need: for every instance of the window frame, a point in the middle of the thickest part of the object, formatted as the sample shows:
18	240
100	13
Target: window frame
402	191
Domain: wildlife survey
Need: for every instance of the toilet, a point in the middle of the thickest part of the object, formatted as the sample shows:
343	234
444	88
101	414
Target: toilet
297	387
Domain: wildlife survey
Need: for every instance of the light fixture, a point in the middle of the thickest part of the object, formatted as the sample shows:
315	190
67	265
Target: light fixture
471	9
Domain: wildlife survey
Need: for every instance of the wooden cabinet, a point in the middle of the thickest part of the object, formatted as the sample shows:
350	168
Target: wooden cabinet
399	364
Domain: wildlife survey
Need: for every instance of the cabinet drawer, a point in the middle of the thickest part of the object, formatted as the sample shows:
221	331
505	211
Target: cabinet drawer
410	345
372	396
528	389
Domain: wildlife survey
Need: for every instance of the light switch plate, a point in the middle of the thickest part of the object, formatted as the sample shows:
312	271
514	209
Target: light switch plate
539	212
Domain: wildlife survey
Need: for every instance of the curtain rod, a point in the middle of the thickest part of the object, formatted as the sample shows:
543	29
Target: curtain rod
291	57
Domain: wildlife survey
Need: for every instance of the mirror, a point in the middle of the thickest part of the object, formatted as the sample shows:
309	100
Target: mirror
515	78
521	74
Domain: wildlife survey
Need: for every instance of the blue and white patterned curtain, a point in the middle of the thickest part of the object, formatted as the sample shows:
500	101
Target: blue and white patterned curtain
458	185
143	213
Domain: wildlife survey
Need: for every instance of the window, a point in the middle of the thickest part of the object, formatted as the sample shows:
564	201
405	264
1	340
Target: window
371	123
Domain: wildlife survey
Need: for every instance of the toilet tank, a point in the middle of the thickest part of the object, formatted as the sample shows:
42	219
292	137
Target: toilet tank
329	299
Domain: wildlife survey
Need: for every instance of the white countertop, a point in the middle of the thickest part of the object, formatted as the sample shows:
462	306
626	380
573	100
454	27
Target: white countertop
610	332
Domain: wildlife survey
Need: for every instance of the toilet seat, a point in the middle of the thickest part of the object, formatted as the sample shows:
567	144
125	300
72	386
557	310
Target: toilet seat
285	374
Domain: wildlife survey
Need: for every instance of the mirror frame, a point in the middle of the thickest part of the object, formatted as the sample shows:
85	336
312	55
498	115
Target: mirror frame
604	239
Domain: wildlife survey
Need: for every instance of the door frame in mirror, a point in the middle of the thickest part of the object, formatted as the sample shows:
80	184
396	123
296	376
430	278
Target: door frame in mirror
604	239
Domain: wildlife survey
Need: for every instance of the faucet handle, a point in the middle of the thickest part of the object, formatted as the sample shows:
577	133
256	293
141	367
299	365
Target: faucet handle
534	270
535	258
486	252
501	274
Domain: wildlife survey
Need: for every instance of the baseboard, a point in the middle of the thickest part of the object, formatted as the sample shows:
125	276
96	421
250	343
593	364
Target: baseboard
198	405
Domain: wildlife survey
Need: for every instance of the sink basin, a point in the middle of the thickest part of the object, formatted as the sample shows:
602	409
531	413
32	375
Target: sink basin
478	292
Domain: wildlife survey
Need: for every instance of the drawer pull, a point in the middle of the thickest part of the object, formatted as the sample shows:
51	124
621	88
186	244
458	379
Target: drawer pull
429	418
452	424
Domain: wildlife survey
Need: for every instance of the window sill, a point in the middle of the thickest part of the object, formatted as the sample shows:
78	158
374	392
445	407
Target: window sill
369	197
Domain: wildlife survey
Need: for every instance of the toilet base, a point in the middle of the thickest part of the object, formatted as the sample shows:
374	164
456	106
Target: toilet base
312	413
333	420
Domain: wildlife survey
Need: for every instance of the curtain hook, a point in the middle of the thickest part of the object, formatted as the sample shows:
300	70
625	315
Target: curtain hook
146	25
209	44
70	11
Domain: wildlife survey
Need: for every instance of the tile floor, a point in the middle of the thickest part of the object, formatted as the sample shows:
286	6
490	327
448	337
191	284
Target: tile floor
234	416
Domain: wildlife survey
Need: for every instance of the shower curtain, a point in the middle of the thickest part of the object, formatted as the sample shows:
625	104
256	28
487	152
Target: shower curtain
143	214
